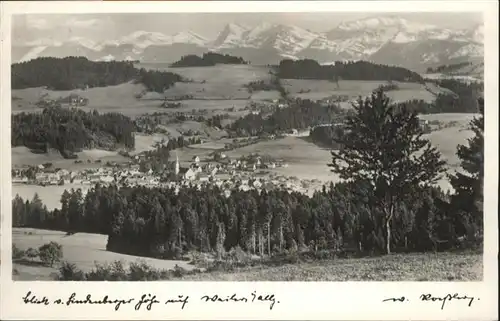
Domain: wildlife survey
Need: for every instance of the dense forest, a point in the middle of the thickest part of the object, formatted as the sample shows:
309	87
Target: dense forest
162	223
208	59
80	73
301	114
70	130
358	70
157	81
462	100
325	135
448	68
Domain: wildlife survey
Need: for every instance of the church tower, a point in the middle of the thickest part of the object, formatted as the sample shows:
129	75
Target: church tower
177	167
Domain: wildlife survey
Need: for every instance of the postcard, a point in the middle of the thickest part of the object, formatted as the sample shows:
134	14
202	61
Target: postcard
249	160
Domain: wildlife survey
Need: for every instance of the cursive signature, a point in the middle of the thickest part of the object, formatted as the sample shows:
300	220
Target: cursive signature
446	298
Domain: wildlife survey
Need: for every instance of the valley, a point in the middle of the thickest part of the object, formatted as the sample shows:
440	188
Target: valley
229	129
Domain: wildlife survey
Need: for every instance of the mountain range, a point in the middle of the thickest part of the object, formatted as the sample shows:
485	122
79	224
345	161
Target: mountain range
387	40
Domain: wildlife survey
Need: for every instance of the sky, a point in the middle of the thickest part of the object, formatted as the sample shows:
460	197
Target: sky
101	27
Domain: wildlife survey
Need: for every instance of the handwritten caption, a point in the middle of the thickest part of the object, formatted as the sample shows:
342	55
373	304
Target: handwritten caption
426	297
147	301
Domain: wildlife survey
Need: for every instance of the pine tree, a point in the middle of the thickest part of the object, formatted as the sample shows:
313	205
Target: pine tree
382	145
468	184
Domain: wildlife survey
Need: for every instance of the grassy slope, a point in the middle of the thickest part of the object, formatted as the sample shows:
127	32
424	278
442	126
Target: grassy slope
398	267
82	249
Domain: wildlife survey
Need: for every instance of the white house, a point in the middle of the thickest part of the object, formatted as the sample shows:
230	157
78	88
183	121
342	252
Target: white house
106	179
190	174
23	179
196	159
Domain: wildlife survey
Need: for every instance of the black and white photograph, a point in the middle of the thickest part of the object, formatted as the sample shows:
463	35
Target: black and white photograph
243	147
247	146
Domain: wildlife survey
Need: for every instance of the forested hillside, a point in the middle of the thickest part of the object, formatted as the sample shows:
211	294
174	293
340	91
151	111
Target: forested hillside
70	130
208	59
80	73
300	115
448	68
358	70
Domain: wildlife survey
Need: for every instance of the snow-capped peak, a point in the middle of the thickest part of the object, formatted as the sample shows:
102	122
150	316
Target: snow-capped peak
43	42
85	42
188	37
231	35
143	39
372	23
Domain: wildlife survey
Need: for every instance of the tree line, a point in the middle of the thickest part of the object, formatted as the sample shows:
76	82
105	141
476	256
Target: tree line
299	115
325	135
70	130
208	59
462	98
358	70
386	202
448	68
80	73
162	223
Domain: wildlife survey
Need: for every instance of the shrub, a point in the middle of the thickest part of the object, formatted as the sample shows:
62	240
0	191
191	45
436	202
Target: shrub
137	271
50	253
17	253
69	272
31	253
108	272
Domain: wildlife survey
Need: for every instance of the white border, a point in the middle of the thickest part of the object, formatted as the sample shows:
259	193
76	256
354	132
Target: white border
298	300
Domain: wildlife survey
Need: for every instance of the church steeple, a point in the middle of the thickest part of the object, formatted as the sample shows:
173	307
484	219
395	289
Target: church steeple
177	167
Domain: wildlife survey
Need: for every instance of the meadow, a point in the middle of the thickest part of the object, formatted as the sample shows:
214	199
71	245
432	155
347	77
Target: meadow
81	249
320	89
396	267
213	82
22	156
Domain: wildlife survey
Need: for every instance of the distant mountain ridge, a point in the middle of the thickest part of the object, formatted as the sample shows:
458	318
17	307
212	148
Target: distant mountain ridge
387	40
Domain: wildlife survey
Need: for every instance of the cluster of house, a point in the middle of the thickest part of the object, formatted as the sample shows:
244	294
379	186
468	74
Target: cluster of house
102	175
73	100
242	183
223	166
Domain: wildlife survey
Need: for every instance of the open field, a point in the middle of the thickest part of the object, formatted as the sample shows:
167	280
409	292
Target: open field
397	267
120	98
305	159
23	156
462	118
82	249
319	89
402	95
324	88
213	82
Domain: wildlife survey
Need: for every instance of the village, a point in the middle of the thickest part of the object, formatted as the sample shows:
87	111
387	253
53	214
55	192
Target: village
246	173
